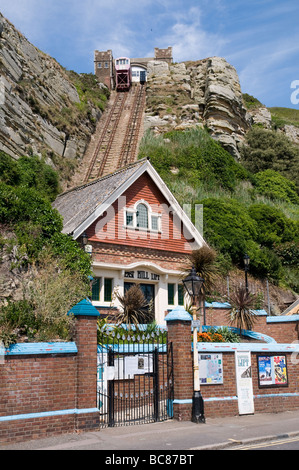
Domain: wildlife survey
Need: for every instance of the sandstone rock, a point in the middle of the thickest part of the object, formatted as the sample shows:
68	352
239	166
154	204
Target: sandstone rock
206	92
157	67
36	90
292	133
261	116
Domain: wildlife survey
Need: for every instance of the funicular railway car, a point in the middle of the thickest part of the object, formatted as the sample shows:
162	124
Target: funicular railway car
123	74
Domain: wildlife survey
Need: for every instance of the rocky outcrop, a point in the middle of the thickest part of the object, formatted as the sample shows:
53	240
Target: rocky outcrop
39	103
292	133
261	116
206	93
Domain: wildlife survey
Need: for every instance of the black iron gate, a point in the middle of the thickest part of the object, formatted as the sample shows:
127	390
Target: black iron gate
135	375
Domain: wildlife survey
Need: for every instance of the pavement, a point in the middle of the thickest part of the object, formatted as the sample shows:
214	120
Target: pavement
173	435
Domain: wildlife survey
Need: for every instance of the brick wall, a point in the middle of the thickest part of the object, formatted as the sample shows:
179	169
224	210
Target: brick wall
179	334
45	393
36	385
164	54
221	400
281	329
104	73
120	254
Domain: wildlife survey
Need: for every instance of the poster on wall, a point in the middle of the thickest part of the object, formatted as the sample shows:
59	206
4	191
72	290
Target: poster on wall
244	382
272	371
210	369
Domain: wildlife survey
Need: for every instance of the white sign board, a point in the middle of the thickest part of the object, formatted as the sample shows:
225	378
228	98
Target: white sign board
244	382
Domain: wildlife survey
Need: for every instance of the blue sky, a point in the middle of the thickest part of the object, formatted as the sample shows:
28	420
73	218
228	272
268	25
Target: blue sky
260	38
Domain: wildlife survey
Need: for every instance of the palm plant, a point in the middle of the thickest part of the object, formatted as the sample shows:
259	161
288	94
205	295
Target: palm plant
242	303
134	307
204	262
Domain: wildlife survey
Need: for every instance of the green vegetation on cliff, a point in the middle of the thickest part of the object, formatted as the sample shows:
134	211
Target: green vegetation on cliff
249	206
56	263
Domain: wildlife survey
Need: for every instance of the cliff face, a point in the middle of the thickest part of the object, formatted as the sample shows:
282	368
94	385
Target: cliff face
206	93
40	106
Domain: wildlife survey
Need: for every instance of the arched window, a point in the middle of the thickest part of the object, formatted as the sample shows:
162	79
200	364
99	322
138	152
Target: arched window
142	216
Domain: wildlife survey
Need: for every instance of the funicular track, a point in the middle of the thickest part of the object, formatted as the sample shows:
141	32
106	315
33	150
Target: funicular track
104	142
130	142
117	140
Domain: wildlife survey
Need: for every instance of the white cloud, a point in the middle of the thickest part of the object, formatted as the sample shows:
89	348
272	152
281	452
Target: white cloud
189	39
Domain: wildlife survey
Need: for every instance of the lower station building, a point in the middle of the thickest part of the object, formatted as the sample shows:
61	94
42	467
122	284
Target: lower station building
136	232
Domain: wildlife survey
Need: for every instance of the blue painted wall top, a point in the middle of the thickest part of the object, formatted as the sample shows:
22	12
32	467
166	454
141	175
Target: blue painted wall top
178	314
84	308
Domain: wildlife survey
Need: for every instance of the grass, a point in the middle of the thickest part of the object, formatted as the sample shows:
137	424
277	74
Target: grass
284	116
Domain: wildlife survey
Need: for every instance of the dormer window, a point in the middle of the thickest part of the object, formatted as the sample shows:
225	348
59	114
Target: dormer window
142	217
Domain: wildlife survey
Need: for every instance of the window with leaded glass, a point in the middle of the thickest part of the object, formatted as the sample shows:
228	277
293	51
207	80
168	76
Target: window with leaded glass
129	219
155	222
142	216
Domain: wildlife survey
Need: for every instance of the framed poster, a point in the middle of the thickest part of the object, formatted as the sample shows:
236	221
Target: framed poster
244	382
210	369
272	371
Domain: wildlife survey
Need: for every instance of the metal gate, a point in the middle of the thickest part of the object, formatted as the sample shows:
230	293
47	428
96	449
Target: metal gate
135	376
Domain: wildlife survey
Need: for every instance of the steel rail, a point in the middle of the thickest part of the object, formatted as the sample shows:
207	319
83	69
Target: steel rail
116	109
133	128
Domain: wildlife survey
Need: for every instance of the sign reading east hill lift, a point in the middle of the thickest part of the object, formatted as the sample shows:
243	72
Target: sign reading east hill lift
244	382
144	275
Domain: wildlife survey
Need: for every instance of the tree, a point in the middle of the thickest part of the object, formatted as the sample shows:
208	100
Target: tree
204	262
134	307
242	303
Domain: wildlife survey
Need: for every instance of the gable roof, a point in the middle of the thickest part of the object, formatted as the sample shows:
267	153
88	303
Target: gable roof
83	205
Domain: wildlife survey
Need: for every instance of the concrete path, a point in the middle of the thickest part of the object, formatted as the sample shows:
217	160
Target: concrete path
171	436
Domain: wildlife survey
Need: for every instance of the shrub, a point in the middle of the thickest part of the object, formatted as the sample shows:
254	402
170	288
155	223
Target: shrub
288	252
29	172
272	225
250	101
196	156
41	315
242	303
228	227
268	149
275	186
133	306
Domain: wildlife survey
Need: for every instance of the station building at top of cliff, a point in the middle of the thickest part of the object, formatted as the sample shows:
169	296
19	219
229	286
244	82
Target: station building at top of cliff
104	67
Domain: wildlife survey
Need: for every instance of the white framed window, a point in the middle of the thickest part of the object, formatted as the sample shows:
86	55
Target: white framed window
142	217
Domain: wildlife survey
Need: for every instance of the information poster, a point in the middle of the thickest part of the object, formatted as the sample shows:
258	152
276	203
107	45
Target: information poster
244	382
210	369
272	371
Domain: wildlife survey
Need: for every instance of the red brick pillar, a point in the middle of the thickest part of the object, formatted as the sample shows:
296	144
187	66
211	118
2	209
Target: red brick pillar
179	333
86	341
